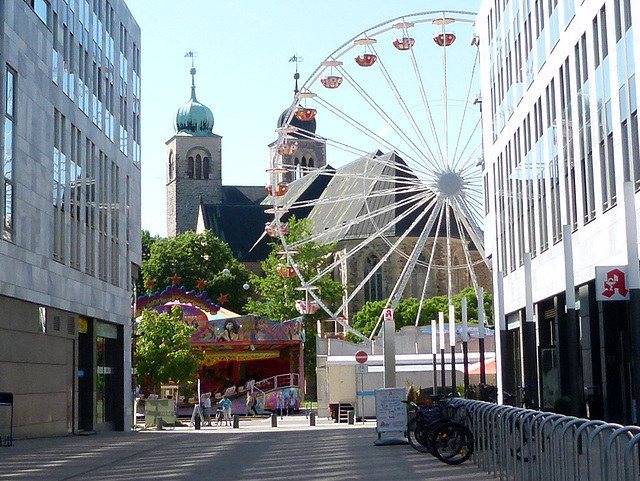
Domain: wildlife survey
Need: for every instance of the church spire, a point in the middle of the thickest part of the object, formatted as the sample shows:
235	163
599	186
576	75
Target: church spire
194	118
193	54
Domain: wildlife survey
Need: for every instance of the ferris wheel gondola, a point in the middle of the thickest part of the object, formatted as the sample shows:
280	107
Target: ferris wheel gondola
403	202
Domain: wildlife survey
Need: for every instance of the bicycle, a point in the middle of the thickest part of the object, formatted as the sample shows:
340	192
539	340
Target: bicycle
431	430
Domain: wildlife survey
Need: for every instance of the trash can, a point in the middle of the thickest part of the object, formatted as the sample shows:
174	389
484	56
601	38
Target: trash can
6	419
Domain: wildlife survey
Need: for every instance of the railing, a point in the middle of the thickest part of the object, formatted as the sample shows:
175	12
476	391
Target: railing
526	445
279	381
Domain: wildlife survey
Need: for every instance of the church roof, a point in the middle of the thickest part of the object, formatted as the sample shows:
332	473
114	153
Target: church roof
240	218
332	198
239	221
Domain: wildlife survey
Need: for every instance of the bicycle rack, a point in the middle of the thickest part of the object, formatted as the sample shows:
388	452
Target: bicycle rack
592	436
629	430
632	464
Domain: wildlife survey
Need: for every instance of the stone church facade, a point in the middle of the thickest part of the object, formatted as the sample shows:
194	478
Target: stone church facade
197	200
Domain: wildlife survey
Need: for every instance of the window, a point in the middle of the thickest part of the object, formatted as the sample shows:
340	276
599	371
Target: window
8	197
41	8
59	185
373	288
190	167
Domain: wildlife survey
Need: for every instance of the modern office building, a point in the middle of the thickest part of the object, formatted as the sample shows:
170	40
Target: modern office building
562	173
70	210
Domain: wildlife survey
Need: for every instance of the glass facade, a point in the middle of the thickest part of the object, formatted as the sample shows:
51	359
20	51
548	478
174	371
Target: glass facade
554	147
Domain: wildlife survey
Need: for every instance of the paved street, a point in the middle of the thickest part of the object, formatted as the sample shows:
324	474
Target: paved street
254	451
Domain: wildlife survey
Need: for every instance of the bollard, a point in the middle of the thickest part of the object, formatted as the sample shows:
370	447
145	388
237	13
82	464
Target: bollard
312	418
158	424
274	420
351	417
236	421
197	422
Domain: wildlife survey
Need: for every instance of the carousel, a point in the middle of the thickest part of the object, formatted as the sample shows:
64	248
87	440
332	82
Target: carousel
241	352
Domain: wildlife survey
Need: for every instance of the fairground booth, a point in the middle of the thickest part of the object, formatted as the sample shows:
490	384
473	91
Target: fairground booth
242	352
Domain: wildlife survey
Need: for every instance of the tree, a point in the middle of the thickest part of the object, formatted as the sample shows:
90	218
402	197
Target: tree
163	348
407	310
202	262
147	242
277	295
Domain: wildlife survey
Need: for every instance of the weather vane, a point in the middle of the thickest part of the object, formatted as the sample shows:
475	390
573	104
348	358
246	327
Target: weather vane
295	58
191	54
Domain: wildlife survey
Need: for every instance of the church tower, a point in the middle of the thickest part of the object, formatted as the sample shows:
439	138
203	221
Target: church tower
194	164
310	152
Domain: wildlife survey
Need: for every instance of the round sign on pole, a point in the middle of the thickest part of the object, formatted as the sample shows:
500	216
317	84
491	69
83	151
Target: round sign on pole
361	357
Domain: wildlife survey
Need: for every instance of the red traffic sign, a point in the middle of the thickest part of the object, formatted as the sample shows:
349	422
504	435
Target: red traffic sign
361	357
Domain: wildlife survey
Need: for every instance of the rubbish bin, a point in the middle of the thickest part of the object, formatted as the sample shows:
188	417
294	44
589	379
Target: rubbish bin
6	419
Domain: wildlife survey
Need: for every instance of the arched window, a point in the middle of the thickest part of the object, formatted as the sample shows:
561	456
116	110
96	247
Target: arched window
205	168
373	288
190	168
298	168
198	167
170	165
311	163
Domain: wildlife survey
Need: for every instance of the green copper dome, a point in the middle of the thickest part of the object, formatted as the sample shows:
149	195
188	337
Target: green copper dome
194	118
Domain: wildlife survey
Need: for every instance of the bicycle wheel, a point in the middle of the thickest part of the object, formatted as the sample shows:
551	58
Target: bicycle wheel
453	443
432	431
417	436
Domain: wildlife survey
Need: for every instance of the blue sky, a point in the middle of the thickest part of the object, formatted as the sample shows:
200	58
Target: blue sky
243	72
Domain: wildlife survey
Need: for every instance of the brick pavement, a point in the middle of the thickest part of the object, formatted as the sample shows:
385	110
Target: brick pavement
255	451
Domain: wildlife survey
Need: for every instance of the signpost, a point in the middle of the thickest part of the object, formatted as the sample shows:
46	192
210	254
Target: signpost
361	369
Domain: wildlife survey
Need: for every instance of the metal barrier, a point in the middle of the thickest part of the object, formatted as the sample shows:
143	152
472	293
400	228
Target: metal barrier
516	444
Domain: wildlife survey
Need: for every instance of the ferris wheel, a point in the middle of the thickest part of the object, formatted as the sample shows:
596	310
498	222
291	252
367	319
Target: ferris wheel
381	150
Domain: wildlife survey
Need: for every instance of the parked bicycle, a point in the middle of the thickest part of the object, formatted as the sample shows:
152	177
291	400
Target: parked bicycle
432	430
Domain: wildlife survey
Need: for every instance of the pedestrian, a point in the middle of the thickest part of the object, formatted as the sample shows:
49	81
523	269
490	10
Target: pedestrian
206	408
291	402
225	402
249	403
254	403
281	404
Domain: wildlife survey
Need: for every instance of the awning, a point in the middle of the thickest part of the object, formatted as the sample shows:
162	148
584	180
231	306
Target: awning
489	367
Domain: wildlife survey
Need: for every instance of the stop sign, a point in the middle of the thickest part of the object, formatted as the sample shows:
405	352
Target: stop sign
361	357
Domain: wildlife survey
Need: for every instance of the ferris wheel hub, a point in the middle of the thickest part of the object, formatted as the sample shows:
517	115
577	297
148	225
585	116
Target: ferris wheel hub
450	184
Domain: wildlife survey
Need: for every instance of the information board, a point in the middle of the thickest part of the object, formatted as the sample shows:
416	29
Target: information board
391	412
160	408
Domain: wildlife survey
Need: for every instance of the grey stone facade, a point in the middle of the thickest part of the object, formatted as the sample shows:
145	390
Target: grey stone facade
185	192
73	247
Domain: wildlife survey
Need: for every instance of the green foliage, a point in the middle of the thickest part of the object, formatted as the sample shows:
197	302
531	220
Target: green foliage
194	257
147	242
406	312
277	295
163	348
